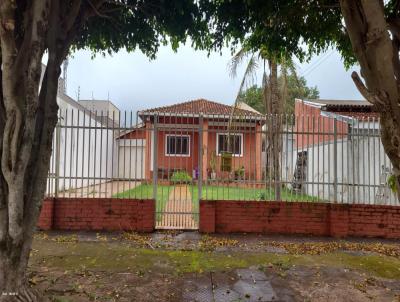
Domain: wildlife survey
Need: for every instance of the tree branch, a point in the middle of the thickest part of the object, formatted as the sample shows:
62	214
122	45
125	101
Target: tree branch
370	97
71	13
396	59
3	186
32	45
373	48
96	11
2	113
394	26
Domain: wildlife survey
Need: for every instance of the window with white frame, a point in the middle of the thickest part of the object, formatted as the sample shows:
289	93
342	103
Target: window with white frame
235	141
177	145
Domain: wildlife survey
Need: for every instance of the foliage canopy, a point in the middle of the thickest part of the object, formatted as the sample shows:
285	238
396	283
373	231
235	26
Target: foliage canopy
143	25
296	88
279	27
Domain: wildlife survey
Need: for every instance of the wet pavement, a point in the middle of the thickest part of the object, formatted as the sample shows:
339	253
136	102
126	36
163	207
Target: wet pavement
250	285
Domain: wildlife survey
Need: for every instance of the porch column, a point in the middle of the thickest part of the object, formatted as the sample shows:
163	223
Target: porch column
204	153
258	152
148	159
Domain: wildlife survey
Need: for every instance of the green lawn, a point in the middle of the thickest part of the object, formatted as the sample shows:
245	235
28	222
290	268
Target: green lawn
236	193
146	191
213	193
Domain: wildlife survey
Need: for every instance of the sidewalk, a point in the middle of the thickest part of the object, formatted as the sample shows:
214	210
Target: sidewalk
188	267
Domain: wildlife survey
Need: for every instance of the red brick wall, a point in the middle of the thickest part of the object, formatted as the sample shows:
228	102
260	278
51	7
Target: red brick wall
310	120
320	219
46	215
97	214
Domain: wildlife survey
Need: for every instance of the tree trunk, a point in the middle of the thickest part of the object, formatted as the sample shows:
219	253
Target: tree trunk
24	185
27	123
378	55
390	129
277	110
12	274
274	108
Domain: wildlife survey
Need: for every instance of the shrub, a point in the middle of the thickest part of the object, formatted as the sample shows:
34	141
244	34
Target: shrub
391	181
180	177
262	196
239	173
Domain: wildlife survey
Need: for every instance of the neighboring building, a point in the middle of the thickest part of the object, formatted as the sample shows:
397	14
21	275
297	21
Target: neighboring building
102	108
187	134
80	157
131	145
337	152
244	106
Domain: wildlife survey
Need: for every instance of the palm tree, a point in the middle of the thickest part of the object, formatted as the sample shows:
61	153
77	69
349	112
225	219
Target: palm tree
274	101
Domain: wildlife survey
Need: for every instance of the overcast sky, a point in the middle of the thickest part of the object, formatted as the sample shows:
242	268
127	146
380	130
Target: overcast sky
133	82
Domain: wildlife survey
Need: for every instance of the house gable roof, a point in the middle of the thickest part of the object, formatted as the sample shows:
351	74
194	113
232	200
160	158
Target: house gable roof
201	107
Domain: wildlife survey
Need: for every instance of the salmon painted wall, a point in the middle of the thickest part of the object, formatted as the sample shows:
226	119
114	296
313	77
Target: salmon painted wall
139	133
188	163
309	119
250	159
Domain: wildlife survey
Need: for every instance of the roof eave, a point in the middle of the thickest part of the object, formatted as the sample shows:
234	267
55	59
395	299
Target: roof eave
153	113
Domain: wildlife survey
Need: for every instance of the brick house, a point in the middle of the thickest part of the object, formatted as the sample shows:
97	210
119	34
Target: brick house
186	136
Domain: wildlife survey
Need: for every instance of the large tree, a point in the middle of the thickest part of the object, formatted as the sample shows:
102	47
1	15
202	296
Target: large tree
273	97
363	31
28	111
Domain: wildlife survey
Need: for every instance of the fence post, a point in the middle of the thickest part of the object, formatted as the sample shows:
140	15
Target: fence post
200	177
335	162
155	155
57	158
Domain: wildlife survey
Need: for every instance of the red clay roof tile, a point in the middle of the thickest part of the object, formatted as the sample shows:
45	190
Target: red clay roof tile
201	106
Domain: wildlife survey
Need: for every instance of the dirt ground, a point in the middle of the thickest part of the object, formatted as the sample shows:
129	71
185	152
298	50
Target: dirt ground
175	266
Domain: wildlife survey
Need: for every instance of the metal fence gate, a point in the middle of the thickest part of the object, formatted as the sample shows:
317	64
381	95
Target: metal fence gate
175	170
180	158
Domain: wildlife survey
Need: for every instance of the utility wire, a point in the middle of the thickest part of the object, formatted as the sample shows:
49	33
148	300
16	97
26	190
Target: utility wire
310	69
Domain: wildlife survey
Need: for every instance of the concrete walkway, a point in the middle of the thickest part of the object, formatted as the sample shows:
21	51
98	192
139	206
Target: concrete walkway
102	190
178	212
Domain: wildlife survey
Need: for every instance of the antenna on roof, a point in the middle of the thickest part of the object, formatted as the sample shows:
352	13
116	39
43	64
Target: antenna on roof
108	96
92	96
79	92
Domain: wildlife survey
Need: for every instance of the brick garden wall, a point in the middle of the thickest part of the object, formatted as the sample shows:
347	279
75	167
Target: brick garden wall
319	219
97	214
